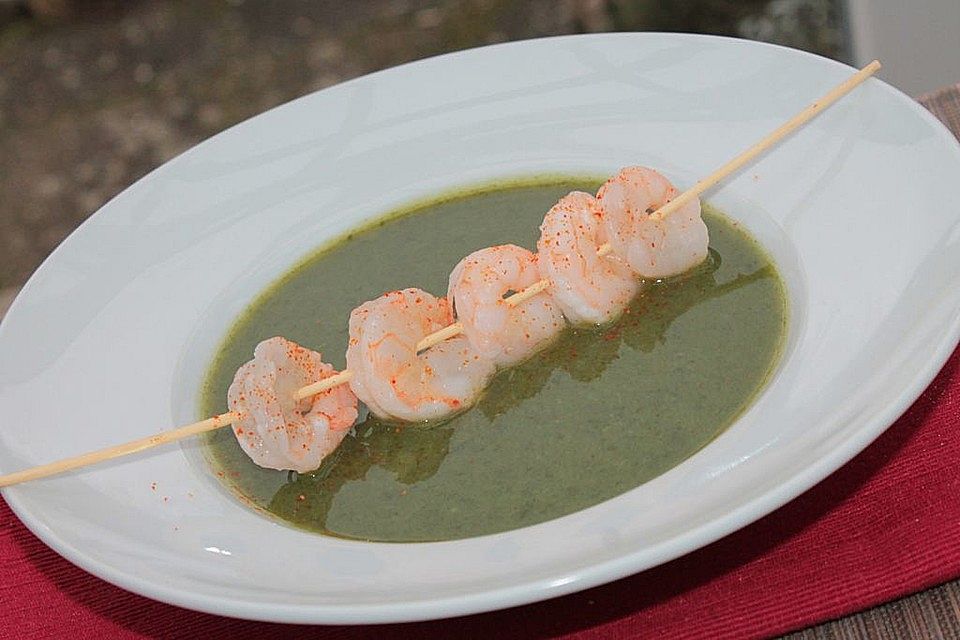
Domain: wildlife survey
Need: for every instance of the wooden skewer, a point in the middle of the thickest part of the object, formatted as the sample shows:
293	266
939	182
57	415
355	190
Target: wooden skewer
119	450
327	383
437	337
456	328
769	140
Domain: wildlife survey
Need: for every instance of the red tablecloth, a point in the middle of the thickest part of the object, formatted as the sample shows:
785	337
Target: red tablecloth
885	525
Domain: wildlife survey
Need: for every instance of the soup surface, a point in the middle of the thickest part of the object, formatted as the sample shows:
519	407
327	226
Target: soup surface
600	412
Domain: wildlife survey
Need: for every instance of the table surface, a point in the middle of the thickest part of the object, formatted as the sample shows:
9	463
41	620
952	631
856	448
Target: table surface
934	613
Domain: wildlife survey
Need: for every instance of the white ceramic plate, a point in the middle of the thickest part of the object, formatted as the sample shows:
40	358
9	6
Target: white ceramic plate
109	339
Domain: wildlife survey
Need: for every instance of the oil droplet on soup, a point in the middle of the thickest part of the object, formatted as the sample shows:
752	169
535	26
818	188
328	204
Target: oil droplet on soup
600	412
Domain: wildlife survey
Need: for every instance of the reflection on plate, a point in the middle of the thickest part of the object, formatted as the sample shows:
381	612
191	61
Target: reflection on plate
154	280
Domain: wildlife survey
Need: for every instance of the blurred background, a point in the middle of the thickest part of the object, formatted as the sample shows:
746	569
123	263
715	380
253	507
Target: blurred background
96	93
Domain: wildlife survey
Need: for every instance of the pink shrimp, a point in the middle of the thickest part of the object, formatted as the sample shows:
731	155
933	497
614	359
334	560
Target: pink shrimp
396	382
653	247
590	289
276	430
501	332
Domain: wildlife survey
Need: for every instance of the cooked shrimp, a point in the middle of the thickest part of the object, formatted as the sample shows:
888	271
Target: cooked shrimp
499	331
589	289
654	248
276	430
392	379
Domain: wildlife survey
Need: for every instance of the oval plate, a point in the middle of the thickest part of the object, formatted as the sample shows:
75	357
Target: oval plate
108	340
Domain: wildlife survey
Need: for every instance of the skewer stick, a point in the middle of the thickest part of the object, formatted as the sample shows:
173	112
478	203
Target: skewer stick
327	383
437	337
771	139
119	450
456	328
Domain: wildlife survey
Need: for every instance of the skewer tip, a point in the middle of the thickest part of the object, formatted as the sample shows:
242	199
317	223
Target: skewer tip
868	70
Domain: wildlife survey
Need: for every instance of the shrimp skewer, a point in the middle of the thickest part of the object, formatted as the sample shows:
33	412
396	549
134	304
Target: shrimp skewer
230	417
652	247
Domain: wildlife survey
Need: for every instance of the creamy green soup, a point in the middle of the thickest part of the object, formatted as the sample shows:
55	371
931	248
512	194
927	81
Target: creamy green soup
602	411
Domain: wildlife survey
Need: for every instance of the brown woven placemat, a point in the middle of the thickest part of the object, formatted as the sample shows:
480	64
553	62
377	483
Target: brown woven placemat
945	104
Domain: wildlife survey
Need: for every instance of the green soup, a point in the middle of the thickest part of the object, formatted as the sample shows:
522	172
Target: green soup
600	412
